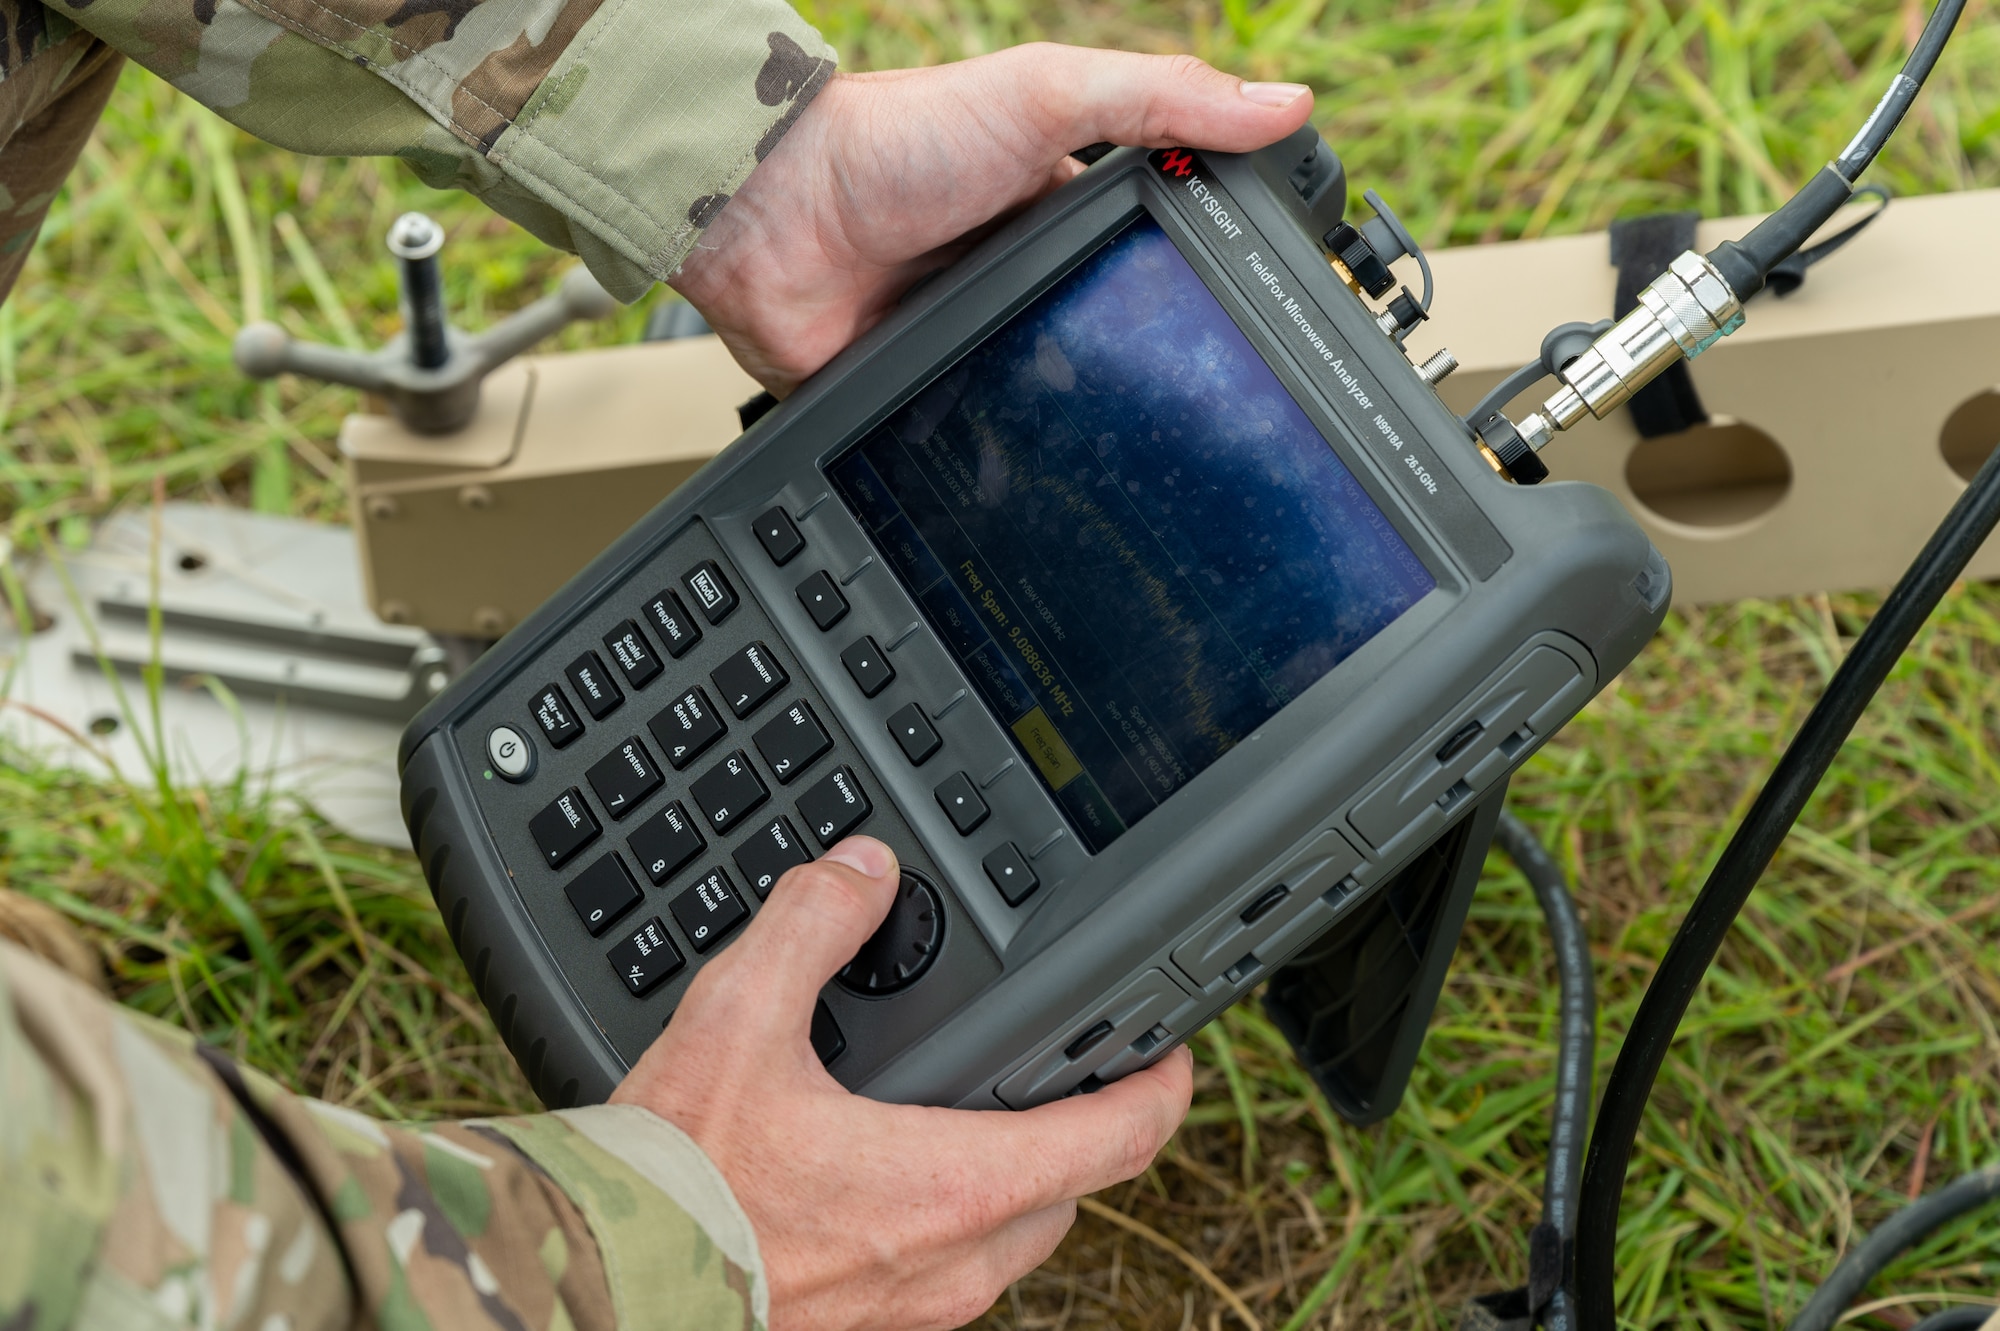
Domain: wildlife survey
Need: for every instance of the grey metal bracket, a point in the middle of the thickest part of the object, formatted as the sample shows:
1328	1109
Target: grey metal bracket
430	373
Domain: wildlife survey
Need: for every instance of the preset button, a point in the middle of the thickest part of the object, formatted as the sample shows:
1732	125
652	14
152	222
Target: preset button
564	828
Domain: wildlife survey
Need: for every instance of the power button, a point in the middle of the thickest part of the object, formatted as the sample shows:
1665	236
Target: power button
510	753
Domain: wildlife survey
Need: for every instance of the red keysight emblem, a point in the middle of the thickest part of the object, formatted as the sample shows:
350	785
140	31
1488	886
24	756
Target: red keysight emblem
1174	163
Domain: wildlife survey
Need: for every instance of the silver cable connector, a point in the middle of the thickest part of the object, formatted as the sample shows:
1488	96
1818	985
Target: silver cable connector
1682	313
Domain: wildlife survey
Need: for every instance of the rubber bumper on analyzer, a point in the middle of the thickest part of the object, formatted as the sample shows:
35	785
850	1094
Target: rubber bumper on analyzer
564	1056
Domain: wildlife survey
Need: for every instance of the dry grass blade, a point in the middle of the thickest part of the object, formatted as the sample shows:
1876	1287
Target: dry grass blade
1091	1206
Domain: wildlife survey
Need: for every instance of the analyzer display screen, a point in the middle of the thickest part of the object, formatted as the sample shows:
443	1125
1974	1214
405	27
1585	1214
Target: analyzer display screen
1122	525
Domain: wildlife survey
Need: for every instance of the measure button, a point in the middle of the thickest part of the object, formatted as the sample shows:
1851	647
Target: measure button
961	803
822	600
601	894
1009	870
729	791
835	806
646	958
510	753
871	670
775	532
564	828
913	732
709	909
712	591
748	679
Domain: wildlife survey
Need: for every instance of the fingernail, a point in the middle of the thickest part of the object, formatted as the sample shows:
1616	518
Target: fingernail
864	854
1275	94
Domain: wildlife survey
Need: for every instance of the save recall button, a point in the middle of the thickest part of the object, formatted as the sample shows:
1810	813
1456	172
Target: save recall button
510	753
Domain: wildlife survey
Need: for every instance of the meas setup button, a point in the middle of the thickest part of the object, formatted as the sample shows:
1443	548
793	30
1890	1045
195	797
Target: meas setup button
510	753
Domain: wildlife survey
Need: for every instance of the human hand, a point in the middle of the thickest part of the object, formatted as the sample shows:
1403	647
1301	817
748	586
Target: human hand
888	176
868	1214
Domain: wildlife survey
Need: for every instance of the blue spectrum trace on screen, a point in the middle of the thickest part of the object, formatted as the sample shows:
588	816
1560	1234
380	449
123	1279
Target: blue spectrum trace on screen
1128	533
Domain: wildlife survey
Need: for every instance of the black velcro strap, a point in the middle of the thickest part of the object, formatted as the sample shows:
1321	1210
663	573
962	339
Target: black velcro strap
1641	249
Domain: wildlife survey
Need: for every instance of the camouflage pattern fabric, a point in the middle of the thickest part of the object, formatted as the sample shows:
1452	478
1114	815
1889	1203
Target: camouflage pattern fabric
151	1183
616	129
54	80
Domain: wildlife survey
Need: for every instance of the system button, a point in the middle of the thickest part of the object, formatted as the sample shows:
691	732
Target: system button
665	842
748	679
961	803
510	753
624	777
913	732
1010	872
646	958
870	668
822	600
775	532
601	893
600	695
672	622
687	727
711	590
835	806
770	853
629	648
792	741
709	909
564	828
729	792
553	715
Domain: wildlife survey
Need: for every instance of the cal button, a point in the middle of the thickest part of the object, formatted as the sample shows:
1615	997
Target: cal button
646	958
709	909
587	676
835	806
729	791
711	590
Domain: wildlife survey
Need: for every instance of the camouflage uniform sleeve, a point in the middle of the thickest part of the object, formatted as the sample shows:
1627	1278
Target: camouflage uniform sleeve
151	1183
613	128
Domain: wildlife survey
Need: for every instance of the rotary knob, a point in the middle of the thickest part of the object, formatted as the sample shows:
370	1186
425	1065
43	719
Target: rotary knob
899	953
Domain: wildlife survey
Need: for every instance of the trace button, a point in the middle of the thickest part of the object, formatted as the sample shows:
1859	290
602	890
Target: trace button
510	753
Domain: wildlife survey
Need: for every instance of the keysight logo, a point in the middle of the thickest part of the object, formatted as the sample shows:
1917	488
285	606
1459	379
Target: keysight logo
1175	162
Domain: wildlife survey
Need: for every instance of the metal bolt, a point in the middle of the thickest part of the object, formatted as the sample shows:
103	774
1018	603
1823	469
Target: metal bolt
475	497
381	508
394	612
1441	363
415	241
489	622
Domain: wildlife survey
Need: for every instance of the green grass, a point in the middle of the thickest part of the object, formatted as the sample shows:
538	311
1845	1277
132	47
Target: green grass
1843	1054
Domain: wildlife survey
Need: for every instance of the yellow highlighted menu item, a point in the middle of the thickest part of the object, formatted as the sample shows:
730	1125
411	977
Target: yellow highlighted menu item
1044	744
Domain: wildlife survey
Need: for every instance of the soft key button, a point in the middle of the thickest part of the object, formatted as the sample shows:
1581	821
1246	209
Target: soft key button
510	753
779	537
1254	918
